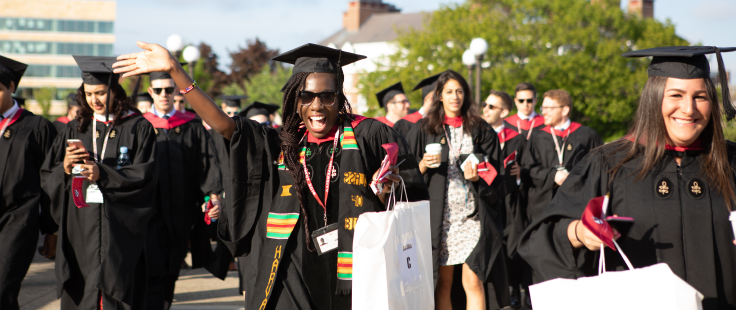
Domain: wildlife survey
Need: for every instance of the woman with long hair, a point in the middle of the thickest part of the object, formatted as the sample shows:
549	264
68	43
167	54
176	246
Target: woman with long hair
102	220
672	173
464	208
295	196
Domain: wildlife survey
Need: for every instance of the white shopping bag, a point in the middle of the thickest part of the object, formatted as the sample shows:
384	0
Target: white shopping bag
651	288
392	259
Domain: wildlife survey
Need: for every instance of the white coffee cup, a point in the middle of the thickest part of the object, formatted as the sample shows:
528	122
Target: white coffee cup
434	149
733	222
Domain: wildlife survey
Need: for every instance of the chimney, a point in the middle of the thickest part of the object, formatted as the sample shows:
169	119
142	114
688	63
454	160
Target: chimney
360	10
643	8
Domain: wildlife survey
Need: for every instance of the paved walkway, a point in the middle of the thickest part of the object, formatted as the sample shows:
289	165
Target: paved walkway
196	289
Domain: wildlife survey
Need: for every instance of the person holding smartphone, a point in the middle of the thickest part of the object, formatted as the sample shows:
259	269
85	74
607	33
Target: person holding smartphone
102	194
673	173
465	210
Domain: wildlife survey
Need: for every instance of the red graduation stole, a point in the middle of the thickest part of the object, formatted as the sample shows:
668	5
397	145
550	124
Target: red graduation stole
525	124
414	117
385	120
506	134
564	133
454	121
175	120
63	119
12	120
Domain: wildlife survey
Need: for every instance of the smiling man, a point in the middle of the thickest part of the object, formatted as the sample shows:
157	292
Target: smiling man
395	103
554	150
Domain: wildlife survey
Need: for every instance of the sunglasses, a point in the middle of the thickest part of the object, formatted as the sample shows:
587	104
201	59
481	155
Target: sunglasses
401	102
484	104
325	98
527	100
169	90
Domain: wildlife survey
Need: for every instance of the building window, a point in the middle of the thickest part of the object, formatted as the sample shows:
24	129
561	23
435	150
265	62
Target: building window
54	25
55	48
51	71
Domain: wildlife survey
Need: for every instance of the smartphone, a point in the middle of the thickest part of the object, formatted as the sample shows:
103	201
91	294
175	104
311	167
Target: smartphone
621	224
75	142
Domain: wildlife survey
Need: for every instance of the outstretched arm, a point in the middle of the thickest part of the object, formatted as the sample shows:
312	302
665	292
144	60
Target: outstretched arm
155	58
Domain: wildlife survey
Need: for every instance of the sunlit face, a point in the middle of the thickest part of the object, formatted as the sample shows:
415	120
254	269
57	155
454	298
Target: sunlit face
554	114
686	109
318	117
493	111
525	102
6	96
72	112
164	100
96	96
452	98
398	106
180	104
230	111
260	118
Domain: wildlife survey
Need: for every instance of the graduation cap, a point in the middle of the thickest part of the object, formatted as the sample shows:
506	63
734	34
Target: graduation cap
688	62
14	69
71	100
259	108
159	76
143	97
97	70
232	101
427	85
317	58
387	94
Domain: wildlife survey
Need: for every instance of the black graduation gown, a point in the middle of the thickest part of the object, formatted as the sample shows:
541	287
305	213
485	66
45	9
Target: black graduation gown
187	170
304	280
514	193
60	126
540	162
514	122
23	148
404	125
487	260
101	247
680	224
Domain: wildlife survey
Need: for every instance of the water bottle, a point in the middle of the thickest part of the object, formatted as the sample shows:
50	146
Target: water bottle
123	159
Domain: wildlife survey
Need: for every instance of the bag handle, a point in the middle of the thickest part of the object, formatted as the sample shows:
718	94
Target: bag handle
602	258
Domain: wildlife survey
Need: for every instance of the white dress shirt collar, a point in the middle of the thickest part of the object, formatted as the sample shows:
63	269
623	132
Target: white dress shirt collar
12	110
564	126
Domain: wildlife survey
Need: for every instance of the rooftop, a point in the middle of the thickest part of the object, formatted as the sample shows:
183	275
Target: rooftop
378	28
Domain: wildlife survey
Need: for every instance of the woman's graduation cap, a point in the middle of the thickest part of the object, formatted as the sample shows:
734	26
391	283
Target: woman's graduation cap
12	68
688	62
97	70
427	85
387	94
259	108
232	101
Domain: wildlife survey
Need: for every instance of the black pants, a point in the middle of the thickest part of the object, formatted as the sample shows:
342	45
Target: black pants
520	274
160	292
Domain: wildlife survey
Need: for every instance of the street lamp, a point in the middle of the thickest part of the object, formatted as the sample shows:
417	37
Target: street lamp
469	61
191	55
479	47
174	44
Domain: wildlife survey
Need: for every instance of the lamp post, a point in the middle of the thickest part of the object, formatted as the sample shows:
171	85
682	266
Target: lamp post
469	61
479	47
174	44
191	55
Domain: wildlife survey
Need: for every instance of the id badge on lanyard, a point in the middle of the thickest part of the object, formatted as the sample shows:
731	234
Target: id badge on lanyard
560	149
94	195
324	238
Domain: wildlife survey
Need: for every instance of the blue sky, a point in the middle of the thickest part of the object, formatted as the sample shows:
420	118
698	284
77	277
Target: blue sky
285	24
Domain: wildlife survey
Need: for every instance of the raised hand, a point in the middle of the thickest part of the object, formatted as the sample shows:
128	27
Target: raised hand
154	58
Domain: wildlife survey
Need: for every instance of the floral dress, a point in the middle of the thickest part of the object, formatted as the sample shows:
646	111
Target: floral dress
460	234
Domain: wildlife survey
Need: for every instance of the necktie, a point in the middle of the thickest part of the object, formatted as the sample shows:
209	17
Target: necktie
166	117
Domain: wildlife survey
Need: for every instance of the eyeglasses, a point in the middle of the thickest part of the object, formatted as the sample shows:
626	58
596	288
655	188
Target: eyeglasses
325	98
401	102
527	100
169	90
543	108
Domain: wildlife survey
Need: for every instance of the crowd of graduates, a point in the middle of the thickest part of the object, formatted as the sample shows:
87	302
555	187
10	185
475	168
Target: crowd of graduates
126	185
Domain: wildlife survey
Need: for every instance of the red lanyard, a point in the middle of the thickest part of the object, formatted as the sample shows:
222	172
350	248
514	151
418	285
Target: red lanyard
529	133
98	158
560	150
328	177
7	122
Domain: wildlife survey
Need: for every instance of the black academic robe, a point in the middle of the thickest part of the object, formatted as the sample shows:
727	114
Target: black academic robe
540	161
187	171
676	222
101	247
23	148
514	122
487	260
514	192
404	125
299	278
60	123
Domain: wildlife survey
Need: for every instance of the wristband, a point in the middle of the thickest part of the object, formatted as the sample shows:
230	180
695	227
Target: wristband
188	89
576	233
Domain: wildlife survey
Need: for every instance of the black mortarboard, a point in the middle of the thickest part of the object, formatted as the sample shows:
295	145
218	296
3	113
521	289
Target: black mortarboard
387	94
143	97
97	70
71	100
21	101
427	85
259	108
317	58
13	68
688	62
232	101
159	76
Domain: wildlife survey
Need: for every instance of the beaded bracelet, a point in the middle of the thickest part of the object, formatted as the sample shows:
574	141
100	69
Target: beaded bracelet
188	89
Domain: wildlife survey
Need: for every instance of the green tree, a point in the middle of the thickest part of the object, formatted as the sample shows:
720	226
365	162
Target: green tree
264	86
574	45
43	97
